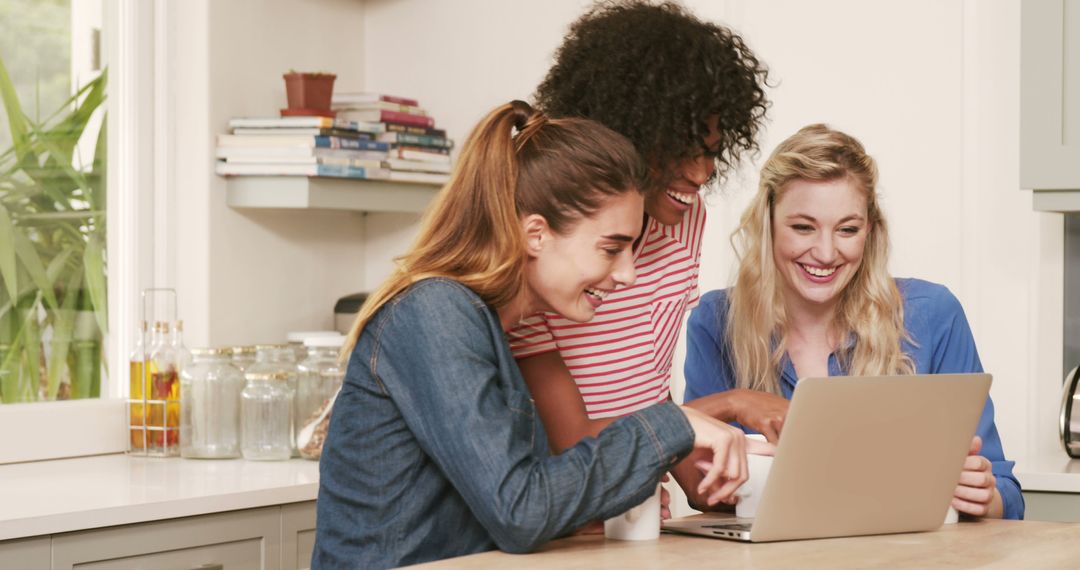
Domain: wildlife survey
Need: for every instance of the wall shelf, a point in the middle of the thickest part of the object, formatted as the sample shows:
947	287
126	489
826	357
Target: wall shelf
1063	201
301	192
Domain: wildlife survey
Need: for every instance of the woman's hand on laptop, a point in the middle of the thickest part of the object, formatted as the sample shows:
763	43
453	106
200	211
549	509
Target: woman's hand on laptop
977	494
760	411
727	465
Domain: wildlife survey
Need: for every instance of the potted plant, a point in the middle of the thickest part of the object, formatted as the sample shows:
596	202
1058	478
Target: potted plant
309	93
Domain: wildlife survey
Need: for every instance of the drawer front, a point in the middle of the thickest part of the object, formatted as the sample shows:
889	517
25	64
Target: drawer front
298	530
239	539
1056	507
243	555
25	553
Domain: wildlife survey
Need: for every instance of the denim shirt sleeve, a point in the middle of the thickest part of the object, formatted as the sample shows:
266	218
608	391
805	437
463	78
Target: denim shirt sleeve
954	352
478	424
705	369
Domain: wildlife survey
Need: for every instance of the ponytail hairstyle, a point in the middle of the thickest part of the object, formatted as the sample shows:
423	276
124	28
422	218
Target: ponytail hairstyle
870	312
515	163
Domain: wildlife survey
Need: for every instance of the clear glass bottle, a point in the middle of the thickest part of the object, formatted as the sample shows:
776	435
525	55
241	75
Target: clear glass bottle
183	355
266	416
243	357
163	395
137	394
318	376
210	389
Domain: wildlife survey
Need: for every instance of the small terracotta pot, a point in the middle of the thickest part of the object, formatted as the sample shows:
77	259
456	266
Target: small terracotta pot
309	91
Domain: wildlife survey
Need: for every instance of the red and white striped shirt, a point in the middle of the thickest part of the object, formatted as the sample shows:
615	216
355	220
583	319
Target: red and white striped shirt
621	359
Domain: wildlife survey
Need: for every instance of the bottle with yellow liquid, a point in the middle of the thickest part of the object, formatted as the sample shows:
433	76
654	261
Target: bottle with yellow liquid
163	394
137	397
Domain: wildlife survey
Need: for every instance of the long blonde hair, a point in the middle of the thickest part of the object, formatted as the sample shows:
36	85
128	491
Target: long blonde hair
561	169
870	311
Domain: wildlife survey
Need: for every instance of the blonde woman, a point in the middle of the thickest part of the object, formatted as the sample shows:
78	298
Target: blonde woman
435	448
813	297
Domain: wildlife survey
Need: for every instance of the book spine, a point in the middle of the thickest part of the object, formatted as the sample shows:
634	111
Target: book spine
340	171
399	100
412	129
283	122
350	143
406	119
421	149
418	140
359	126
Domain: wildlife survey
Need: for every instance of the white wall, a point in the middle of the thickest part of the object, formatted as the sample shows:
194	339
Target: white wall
251	276
931	87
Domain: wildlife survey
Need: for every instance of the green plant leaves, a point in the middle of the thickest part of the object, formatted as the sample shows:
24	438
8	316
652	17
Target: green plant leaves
94	265
52	249
7	254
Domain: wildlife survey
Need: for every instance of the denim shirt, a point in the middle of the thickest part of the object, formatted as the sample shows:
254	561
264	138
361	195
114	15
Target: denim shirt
943	344
435	448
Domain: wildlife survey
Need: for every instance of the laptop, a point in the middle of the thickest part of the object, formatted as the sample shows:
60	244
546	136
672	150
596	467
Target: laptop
862	455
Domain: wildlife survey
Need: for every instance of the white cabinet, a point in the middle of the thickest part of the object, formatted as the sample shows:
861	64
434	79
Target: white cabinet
25	553
1050	103
268	538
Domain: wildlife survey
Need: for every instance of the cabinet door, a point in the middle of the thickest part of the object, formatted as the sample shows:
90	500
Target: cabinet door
298	535
240	539
1050	94
25	553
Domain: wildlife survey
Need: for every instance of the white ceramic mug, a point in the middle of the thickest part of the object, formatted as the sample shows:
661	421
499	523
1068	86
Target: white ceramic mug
639	523
750	492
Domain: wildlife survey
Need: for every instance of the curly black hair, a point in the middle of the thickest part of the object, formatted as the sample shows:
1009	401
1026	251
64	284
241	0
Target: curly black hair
656	73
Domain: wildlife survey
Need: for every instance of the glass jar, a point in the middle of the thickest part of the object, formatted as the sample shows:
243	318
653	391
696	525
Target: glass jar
210	390
278	359
297	340
243	357
266	416
317	380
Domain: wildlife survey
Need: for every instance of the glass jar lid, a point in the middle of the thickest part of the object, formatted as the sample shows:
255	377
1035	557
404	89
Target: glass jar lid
269	376
211	351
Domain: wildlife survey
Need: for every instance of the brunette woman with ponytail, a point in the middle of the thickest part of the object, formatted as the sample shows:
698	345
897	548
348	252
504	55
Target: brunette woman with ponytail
435	448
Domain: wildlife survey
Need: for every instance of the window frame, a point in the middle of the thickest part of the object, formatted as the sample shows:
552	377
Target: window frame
135	37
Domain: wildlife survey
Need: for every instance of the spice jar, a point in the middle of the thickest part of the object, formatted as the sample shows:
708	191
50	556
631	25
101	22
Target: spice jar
318	379
210	390
277	359
266	416
243	357
297	341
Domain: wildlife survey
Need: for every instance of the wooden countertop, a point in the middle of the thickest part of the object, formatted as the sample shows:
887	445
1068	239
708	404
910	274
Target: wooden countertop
983	544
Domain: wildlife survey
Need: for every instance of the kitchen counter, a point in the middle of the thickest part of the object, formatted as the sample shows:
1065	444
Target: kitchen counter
1054	472
48	497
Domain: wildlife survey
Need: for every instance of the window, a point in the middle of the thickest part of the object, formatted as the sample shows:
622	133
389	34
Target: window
72	253
53	293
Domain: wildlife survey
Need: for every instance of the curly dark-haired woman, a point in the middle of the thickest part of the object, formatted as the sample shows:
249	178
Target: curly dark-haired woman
690	96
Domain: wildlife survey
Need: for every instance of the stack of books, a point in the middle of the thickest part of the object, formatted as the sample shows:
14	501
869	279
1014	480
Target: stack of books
417	151
303	146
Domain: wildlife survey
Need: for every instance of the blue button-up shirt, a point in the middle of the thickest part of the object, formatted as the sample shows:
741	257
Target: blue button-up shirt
435	448
933	318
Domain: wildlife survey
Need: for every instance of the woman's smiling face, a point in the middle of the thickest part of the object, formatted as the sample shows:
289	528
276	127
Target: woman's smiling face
571	273
819	231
